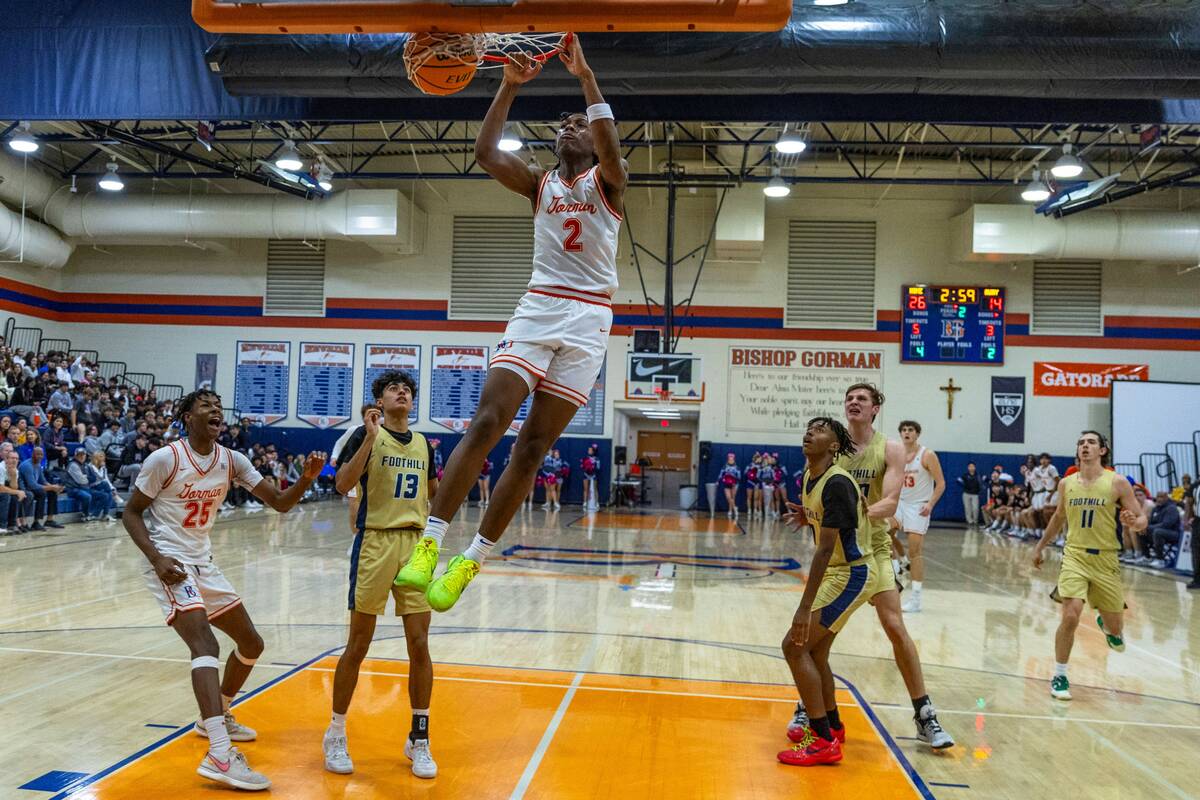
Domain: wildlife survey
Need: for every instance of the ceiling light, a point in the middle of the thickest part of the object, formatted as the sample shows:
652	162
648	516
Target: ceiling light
111	182
325	177
830	2
1068	166
510	139
776	186
790	142
1036	190
289	158
23	141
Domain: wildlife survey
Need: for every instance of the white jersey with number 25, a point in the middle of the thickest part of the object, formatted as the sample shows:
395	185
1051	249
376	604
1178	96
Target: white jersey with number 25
188	490
575	232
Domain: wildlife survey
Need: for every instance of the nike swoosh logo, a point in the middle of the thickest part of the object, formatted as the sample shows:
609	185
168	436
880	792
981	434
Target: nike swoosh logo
223	767
641	372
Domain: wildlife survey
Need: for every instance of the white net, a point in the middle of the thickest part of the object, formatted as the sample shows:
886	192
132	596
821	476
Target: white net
484	50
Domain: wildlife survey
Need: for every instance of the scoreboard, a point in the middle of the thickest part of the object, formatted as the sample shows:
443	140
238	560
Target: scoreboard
952	324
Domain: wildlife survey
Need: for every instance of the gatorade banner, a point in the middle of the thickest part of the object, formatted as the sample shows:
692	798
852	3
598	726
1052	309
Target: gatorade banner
1061	379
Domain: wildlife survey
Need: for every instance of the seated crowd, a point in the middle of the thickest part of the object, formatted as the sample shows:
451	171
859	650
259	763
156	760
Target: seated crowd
67	432
1022	508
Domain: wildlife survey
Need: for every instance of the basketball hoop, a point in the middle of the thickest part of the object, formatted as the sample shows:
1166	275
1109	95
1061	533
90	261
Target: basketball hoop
476	50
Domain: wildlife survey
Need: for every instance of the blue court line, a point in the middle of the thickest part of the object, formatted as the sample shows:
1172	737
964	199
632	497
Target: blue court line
745	648
653	553
161	725
950	785
905	764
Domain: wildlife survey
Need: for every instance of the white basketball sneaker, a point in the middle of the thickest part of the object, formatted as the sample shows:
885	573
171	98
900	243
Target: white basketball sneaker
423	765
237	731
235	772
337	757
913	604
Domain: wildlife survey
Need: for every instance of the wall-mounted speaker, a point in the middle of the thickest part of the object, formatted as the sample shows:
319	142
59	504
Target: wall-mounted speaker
619	455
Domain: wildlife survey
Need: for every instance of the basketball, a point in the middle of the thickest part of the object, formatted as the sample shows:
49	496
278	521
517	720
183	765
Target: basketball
435	73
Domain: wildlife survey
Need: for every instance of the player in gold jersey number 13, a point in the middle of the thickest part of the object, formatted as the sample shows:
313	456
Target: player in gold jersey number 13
1088	503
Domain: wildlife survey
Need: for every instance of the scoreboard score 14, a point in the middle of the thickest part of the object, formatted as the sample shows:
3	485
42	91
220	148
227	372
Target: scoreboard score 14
952	324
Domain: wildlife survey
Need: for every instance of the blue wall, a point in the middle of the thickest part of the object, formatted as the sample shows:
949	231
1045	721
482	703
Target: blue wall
949	508
306	439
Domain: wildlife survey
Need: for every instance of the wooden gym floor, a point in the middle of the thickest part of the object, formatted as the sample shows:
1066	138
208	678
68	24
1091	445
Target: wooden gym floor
611	655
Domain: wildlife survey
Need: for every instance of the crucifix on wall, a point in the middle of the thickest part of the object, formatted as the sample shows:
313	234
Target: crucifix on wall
950	389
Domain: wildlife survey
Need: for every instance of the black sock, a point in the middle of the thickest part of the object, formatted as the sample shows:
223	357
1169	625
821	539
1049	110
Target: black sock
835	719
920	703
820	726
420	727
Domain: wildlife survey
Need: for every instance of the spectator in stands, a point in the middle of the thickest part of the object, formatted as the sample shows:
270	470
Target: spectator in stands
22	430
1135	545
971	487
98	475
62	371
997	507
111	435
5	424
54	440
84	411
1166	526
62	399
13	436
32	440
295	468
141	429
12	497
92	442
45	494
24	397
77	482
132	457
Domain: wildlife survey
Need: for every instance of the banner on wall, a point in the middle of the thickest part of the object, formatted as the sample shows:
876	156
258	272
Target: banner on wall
1062	379
773	389
588	420
260	384
206	371
383	357
326	383
455	384
1008	409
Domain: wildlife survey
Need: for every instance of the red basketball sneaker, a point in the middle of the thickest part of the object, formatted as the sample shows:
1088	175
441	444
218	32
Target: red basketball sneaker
803	735
819	752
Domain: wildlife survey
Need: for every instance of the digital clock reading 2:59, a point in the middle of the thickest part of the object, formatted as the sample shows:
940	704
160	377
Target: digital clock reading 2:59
952	324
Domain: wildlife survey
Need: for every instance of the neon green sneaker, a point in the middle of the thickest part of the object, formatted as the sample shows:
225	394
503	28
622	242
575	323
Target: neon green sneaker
418	572
1115	642
445	591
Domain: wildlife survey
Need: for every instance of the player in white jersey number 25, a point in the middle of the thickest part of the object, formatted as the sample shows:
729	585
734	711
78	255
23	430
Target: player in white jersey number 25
169	517
555	343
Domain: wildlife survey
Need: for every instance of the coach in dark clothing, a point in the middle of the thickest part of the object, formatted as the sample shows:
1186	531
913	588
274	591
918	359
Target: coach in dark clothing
971	488
1165	527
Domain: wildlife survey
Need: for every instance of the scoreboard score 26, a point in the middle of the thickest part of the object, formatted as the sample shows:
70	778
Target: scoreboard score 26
952	324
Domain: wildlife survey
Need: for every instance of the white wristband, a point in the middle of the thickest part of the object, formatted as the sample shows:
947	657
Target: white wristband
599	111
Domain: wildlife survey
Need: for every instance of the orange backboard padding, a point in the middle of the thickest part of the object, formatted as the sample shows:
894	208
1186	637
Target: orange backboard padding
525	16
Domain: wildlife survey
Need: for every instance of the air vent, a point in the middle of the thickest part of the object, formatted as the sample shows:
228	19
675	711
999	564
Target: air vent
490	267
1066	298
831	274
295	278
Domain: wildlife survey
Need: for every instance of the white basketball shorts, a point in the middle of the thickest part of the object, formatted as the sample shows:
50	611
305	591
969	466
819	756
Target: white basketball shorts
556	341
910	517
1039	500
204	587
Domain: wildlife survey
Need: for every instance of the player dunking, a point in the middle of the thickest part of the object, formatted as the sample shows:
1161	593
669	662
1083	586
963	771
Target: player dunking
555	343
877	465
393	470
1088	502
179	490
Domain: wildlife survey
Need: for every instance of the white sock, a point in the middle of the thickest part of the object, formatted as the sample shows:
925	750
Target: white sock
896	566
480	549
337	725
436	529
916	587
218	737
1060	670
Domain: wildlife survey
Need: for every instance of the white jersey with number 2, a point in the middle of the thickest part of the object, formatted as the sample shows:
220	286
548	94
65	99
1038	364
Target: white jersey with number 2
188	490
575	232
